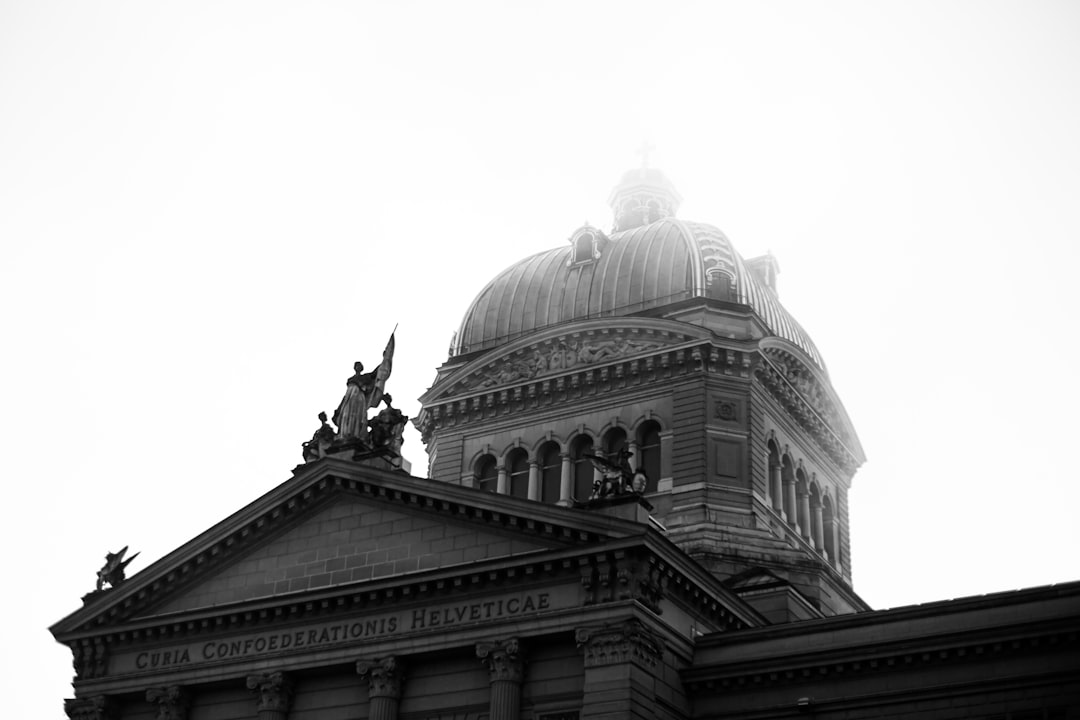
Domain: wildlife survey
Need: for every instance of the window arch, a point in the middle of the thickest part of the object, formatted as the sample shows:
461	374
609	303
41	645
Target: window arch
486	473
648	460
830	530
802	491
583	247
517	464
787	477
817	518
582	467
614	442
550	471
719	285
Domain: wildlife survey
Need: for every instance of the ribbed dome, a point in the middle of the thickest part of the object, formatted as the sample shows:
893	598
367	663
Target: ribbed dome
638	269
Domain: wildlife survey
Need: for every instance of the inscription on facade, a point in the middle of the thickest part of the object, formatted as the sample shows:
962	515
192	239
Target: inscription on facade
326	635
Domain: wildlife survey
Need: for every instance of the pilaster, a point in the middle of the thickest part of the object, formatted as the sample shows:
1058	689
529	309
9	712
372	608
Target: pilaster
506	665
99	707
621	660
385	679
273	693
172	702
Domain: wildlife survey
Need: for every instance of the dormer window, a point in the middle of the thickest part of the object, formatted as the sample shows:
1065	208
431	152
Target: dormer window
719	285
585	245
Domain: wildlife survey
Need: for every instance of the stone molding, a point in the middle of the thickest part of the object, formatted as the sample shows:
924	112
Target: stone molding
172	702
273	691
89	658
574	384
617	643
623	575
98	707
503	659
828	436
385	676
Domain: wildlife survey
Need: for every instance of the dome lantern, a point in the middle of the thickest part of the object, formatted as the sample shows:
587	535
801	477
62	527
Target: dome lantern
643	196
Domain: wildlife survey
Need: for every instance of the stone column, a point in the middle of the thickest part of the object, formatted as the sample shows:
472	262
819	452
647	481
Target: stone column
98	707
534	480
172	702
566	480
621	661
804	514
634	457
777	490
273	692
506	665
500	487
819	529
385	678
789	494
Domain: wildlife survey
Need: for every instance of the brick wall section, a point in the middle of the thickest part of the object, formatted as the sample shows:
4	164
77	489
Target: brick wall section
349	541
688	424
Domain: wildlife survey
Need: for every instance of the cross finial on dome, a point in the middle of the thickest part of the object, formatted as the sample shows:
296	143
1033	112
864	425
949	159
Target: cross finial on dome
646	148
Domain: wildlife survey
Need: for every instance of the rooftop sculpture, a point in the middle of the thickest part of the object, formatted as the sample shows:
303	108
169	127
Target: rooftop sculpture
380	436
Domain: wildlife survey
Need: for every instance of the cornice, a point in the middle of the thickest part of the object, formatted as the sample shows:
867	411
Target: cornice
314	484
837	437
590	380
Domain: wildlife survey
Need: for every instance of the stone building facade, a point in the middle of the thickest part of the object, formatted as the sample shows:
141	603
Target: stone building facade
502	587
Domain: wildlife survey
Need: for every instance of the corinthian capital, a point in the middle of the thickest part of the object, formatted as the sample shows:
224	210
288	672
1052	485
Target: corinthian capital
385	677
628	641
172	702
98	707
503	659
273	691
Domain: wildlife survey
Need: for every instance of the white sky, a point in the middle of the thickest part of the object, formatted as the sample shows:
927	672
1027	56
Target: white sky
209	210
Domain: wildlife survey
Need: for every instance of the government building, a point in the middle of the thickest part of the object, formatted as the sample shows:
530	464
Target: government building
636	507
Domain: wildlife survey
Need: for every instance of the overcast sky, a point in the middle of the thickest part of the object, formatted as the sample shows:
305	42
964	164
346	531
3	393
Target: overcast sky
209	210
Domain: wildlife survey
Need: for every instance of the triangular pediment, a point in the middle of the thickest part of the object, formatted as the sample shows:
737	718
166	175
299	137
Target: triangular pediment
339	524
349	540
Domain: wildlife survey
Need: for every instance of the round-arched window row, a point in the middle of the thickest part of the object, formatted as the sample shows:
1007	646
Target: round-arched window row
556	474
800	501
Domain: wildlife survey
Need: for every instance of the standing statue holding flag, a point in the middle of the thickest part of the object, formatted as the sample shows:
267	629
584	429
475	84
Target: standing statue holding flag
362	391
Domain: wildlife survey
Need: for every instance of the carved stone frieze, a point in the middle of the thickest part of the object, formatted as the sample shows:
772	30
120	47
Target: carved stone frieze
826	425
503	659
172	702
89	658
385	676
623	576
628	641
98	707
562	354
583	381
273	691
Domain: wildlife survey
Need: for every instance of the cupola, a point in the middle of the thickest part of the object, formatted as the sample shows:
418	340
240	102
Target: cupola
643	196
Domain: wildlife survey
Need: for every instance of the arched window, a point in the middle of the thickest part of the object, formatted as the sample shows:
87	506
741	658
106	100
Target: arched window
550	472
776	490
486	473
817	518
582	467
649	453
830	530
614	441
583	247
802	495
517	463
719	286
787	477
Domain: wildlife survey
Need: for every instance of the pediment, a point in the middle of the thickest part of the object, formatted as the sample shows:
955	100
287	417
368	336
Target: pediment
557	352
338	523
346	541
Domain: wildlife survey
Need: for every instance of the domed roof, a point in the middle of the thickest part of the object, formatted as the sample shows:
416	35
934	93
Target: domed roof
631	271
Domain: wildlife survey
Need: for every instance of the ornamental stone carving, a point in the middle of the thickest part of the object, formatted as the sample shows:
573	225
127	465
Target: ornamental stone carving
503	659
628	641
273	692
385	677
172	702
98	707
89	659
